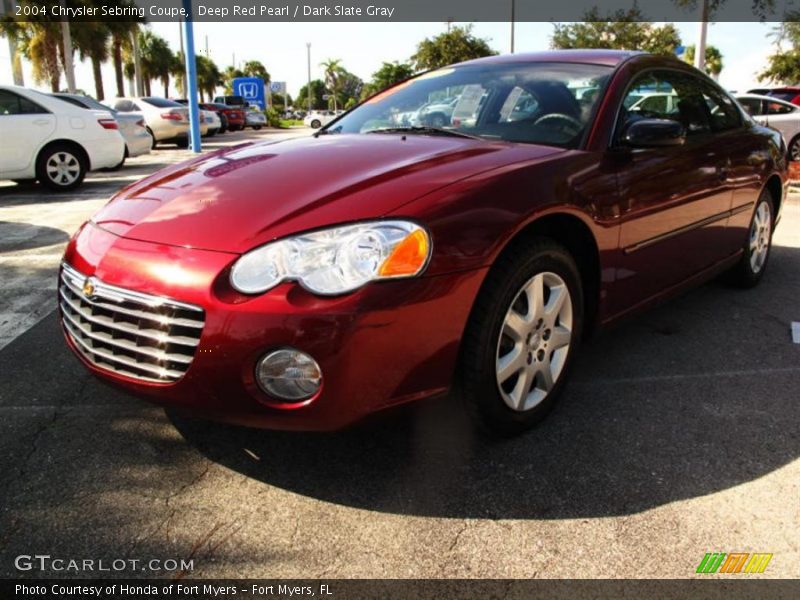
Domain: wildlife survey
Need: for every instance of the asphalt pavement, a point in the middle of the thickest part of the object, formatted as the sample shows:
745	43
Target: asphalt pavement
678	435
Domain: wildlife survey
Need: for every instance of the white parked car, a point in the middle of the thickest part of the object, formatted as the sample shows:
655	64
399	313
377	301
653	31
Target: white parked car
318	118
778	114
166	120
138	140
212	122
55	142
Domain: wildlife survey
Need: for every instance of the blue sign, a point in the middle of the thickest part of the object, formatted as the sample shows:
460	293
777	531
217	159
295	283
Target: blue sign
251	89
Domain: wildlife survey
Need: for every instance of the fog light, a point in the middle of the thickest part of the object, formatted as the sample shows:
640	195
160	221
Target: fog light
289	374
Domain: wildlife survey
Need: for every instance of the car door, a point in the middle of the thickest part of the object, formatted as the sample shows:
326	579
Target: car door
674	200
785	118
26	126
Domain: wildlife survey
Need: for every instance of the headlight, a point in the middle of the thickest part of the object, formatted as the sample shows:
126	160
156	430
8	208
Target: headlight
337	260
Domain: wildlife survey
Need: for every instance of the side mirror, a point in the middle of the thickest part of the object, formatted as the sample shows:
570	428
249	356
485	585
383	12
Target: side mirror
653	133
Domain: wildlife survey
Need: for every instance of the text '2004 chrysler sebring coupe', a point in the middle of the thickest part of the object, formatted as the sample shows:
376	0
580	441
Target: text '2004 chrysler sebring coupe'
460	231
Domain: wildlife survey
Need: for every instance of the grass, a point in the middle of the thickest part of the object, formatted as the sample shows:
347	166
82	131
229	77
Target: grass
286	123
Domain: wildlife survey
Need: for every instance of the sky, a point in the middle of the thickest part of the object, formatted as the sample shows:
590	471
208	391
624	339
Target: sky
362	47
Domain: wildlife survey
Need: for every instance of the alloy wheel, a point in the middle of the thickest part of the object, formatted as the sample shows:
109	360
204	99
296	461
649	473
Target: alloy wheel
760	232
534	341
63	168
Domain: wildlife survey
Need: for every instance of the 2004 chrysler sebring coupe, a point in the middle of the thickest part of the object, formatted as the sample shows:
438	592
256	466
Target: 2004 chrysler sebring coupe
459	231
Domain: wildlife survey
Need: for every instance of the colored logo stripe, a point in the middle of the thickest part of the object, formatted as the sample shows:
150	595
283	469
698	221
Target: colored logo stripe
735	562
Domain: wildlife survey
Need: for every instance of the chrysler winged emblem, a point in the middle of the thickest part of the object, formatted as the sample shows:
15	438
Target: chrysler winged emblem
88	287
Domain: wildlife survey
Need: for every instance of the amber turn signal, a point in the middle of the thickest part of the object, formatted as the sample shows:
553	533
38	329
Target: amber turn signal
408	257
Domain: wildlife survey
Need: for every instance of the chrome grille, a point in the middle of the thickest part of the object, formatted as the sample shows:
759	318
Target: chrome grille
138	335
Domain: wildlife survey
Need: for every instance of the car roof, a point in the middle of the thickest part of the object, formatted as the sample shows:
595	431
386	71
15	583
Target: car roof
609	58
766	98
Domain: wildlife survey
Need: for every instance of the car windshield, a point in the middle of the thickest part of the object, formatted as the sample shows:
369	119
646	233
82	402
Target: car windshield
542	103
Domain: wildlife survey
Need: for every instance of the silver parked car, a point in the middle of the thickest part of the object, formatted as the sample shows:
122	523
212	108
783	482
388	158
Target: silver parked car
778	114
138	140
254	118
166	120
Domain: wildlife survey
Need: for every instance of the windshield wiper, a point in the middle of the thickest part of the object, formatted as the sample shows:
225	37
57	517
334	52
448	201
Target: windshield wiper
426	131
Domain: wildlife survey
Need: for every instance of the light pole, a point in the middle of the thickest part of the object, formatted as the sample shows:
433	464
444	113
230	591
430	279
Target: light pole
513	2
308	89
702	33
69	70
191	78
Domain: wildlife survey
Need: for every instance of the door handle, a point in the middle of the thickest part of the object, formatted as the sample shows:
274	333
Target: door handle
41	122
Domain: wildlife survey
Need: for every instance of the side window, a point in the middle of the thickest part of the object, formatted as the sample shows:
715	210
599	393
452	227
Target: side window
776	108
9	103
28	107
122	105
724	114
751	105
518	106
14	104
135	107
679	97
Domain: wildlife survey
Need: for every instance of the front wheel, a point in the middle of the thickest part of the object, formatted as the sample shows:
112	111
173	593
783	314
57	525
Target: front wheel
793	153
316	124
521	337
750	269
257	127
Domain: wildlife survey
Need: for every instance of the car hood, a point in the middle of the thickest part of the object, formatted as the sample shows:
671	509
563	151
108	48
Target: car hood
244	196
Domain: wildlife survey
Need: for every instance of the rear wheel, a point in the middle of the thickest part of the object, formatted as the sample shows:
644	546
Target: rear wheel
750	269
61	167
316	124
521	337
154	143
257	127
794	149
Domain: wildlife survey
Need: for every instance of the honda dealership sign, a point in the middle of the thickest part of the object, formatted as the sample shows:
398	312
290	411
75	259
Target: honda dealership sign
251	89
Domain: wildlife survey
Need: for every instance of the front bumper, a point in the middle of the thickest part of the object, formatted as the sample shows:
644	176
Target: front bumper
386	344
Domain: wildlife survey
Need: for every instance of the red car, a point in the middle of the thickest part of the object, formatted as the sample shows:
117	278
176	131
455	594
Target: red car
789	93
567	190
235	116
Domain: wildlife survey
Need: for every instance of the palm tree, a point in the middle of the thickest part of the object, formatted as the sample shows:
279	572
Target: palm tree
713	62
12	31
157	60
40	43
228	76
208	77
121	32
91	40
333	69
254	68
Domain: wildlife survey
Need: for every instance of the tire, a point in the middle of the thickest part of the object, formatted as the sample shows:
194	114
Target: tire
793	152
61	167
152	135
750	269
118	166
490	380
316	124
257	127
437	120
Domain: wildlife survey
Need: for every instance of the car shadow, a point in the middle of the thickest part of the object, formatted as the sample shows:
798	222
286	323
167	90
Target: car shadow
25	236
694	397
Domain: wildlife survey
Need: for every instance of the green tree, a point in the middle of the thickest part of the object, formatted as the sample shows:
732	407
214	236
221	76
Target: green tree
333	72
40	43
713	64
317	91
783	66
209	77
625	30
389	74
91	41
121	35
457	45
157	60
350	86
254	68
228	76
